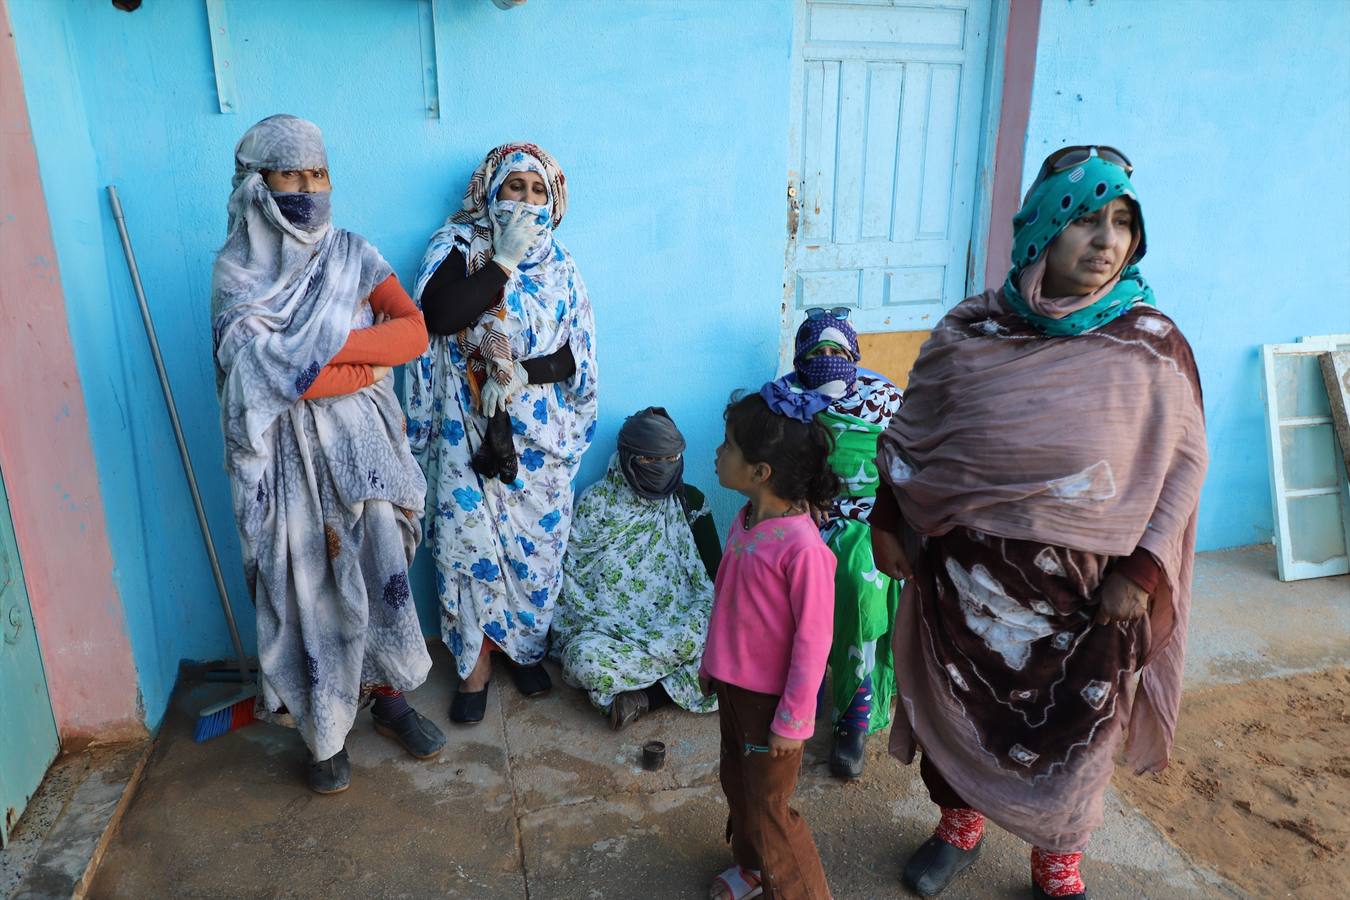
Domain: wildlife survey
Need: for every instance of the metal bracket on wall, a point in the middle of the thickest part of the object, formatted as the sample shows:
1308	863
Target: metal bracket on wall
431	87
222	56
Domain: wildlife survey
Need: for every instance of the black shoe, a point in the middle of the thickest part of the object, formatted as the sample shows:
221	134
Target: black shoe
936	864
530	680
1039	894
846	757
469	707
626	708
330	776
418	734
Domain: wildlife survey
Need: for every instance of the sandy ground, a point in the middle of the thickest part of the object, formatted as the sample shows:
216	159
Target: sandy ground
1259	785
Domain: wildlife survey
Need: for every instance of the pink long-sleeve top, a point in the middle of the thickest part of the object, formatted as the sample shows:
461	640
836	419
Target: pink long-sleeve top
773	616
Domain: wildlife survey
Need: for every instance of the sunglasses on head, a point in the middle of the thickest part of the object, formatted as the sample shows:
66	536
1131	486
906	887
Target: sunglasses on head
820	312
1067	157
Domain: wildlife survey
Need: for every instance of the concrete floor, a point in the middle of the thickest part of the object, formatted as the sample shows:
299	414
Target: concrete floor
541	800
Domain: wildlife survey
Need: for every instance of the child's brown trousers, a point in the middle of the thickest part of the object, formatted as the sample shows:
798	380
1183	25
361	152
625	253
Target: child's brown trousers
765	832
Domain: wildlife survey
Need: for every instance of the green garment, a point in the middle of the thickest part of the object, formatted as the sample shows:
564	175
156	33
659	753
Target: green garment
636	595
854	458
1049	209
865	602
706	538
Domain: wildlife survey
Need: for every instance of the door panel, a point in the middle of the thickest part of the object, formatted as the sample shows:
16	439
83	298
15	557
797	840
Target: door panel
28	741
884	145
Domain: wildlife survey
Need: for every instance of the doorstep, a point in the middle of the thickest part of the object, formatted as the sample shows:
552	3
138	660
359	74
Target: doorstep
69	821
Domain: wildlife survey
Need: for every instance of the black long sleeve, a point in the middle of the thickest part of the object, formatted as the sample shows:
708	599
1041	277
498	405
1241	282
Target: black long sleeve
557	366
453	299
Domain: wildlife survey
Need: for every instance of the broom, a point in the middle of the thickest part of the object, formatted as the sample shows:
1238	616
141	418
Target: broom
236	710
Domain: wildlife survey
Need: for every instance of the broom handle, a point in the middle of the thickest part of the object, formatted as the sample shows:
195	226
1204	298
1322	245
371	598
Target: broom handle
178	432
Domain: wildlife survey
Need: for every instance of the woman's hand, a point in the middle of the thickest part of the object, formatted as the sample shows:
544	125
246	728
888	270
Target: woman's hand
1121	601
494	395
510	242
378	372
782	746
888	555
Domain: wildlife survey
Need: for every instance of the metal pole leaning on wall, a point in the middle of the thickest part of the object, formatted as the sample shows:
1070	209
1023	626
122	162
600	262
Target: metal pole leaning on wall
244	667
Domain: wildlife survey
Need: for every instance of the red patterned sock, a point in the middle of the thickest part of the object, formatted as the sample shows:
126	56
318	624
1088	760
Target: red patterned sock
962	828
1057	873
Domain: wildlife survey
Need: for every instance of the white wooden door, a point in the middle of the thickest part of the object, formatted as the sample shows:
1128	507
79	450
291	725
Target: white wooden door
884	146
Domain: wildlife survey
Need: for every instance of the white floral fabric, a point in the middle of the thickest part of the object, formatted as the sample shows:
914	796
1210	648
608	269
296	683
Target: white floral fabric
498	548
635	599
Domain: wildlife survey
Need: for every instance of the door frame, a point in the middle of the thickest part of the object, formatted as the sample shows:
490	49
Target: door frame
47	453
1013	27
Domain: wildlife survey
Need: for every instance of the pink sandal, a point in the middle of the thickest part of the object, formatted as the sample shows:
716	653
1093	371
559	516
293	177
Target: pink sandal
736	884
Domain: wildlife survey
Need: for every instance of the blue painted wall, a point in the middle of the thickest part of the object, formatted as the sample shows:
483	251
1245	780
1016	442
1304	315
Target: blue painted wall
1236	116
668	116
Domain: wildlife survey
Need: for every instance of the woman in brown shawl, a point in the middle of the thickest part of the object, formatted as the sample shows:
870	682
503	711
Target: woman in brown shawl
1044	474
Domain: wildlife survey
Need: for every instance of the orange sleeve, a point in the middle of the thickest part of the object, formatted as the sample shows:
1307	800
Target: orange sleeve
401	339
339	378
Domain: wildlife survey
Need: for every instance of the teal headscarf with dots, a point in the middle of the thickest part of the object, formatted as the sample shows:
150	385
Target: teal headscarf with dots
1048	210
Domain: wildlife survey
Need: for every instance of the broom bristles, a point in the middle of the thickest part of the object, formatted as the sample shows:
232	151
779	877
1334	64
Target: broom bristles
223	721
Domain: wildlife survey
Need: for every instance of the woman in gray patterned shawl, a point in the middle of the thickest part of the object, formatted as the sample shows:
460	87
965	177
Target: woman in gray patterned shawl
306	321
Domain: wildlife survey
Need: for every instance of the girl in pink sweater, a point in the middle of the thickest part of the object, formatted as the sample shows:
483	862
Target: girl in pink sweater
768	641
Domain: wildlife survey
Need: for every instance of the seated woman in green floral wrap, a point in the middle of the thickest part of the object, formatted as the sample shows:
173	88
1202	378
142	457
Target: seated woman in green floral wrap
856	406
638	579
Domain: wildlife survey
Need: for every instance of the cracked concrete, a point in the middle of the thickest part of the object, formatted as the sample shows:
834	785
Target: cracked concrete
542	801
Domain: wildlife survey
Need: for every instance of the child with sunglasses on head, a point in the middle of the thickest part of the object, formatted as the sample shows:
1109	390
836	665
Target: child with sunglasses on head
768	641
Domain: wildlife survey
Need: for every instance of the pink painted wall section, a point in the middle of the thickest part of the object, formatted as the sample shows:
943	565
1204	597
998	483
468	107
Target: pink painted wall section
1019	73
47	457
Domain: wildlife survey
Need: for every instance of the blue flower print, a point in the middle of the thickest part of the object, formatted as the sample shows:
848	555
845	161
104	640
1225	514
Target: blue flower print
533	459
526	618
517	426
561	312
590	432
550	521
311	668
425	365
513	300
485	570
557	252
528	285
396	592
541	411
539	598
305	377
522	571
467	498
452	431
530	340
510	622
495	631
440	583
526	545
456	642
